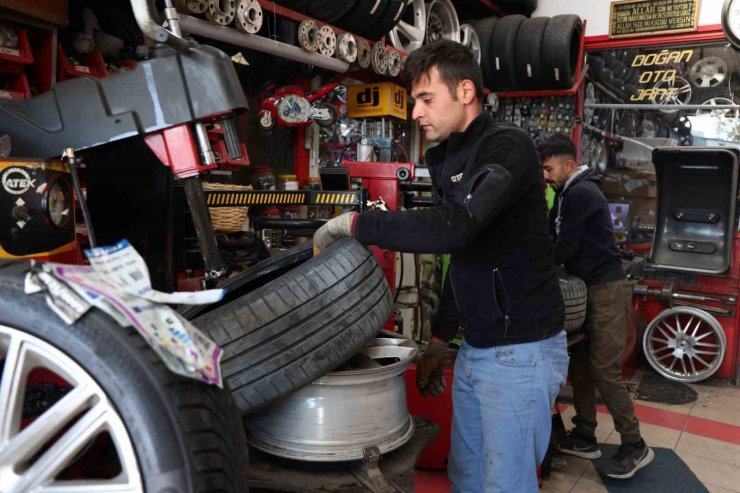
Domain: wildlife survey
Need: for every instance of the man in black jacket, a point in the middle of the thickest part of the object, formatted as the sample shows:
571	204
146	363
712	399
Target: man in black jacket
581	224
492	217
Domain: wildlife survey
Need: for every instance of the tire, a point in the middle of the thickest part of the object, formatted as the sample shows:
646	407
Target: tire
300	326
574	293
366	13
528	53
186	436
525	7
503	43
387	21
485	28
560	49
329	10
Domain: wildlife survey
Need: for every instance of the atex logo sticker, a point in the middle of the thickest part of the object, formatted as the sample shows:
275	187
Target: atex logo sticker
456	178
17	181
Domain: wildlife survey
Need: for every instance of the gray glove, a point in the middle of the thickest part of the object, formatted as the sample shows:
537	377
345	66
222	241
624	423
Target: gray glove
430	369
334	229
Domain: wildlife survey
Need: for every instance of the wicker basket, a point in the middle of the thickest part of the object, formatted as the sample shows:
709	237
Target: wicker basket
227	219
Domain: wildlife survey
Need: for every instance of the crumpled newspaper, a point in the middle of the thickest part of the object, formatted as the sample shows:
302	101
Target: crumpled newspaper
117	282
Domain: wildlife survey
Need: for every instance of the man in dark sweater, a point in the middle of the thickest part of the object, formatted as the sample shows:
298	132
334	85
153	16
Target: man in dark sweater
491	215
581	224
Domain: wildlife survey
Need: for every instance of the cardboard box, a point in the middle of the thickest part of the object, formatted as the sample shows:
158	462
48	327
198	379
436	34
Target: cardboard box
379	99
630	183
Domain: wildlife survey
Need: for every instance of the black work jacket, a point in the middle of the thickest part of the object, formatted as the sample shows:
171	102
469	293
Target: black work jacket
492	217
581	224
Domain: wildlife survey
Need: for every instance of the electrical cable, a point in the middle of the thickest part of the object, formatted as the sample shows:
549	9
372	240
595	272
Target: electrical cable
400	279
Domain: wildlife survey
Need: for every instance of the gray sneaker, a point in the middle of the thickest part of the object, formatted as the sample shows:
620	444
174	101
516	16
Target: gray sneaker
576	444
630	458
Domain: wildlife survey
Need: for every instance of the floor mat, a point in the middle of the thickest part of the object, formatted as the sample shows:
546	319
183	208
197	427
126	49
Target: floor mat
667	473
655	388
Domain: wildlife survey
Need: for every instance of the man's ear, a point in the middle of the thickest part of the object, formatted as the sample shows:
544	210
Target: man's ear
468	91
572	165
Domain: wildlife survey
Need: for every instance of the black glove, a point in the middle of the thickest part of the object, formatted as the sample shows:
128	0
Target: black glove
430	369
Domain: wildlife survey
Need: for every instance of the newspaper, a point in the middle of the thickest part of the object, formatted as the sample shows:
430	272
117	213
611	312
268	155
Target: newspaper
117	282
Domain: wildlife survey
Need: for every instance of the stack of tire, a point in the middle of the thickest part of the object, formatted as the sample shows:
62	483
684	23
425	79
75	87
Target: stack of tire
613	71
521	54
371	19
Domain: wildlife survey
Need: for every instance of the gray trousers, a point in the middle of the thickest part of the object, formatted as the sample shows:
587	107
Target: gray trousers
596	363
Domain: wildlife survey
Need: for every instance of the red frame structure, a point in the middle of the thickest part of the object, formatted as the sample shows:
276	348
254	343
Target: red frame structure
727	285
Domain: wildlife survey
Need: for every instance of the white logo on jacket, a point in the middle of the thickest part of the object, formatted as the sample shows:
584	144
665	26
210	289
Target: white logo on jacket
456	178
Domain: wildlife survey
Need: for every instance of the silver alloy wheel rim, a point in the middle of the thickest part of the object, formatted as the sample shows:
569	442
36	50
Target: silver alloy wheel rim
442	22
409	32
708	72
679	98
685	344
86	406
469	38
249	16
715	113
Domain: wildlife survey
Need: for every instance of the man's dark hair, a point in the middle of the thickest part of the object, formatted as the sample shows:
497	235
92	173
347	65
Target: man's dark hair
454	63
557	145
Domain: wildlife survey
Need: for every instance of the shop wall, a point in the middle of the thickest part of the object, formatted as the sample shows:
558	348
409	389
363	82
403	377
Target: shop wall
596	12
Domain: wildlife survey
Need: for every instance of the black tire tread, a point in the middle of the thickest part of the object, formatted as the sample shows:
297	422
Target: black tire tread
358	19
557	50
574	293
484	28
528	53
502	48
300	326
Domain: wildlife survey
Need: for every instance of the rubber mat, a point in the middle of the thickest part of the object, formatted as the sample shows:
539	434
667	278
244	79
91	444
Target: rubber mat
655	388
667	473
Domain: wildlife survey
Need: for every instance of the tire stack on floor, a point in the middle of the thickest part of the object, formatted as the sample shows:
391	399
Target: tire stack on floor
521	54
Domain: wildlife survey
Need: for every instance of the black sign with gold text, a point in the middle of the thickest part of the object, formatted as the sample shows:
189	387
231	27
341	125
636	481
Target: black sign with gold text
632	18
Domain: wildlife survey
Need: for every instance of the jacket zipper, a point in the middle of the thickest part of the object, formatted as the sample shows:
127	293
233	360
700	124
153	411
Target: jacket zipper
469	195
505	310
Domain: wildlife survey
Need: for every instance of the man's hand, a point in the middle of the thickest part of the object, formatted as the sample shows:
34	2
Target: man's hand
430	368
334	229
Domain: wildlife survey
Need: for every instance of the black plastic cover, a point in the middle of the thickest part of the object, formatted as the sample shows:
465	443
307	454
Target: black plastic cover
697	189
159	93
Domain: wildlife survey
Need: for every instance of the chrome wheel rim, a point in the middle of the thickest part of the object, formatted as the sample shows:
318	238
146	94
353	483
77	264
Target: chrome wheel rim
408	34
32	455
470	39
708	72
442	22
679	97
685	344
717	113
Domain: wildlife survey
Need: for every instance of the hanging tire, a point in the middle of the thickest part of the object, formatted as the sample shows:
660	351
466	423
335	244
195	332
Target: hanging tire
300	326
503	44
685	344
528	53
560	48
387	20
485	28
365	13
112	401
574	292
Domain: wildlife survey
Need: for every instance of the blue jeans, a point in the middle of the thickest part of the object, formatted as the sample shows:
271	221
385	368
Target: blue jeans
502	414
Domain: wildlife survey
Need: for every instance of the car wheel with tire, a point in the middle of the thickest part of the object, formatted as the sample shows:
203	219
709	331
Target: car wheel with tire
91	407
298	327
